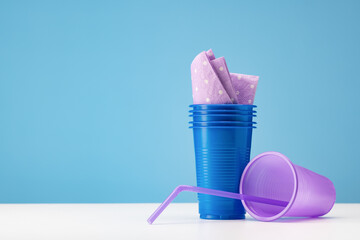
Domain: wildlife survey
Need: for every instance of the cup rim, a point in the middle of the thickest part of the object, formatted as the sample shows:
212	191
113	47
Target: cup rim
221	111
223	127
294	193
223	105
191	122
221	115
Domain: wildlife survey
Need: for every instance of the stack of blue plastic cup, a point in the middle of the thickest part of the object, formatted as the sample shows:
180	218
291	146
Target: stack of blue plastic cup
222	139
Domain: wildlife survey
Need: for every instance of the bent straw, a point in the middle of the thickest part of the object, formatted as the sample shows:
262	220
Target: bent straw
219	193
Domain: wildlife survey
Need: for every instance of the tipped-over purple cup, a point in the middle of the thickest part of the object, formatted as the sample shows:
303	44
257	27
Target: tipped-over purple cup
273	175
272	187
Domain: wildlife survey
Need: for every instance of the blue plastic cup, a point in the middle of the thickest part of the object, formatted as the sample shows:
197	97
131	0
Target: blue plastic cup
222	140
222	123
222	117
221	154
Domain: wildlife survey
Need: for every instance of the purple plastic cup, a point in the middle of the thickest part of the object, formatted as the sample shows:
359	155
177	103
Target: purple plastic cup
272	175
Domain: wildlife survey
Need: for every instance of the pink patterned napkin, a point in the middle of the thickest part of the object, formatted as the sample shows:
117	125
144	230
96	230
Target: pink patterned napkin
206	85
213	84
245	87
210	54
221	69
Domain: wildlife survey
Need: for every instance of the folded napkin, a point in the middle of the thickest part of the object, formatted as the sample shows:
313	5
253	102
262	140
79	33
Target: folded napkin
245	87
213	84
221	69
210	54
206	85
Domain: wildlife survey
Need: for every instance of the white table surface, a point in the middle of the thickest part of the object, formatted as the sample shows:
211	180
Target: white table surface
178	221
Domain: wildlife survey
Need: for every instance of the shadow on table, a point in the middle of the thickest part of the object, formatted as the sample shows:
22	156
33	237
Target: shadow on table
281	220
298	219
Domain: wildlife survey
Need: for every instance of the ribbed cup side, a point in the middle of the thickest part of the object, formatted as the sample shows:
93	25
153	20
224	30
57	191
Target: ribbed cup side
221	157
315	194
221	169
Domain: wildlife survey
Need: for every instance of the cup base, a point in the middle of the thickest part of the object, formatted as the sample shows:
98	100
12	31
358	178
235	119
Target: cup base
221	217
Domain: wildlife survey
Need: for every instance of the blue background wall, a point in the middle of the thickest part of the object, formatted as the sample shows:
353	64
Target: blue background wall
94	94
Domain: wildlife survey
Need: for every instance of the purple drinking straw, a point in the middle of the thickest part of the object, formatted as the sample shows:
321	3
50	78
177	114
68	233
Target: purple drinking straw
219	193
